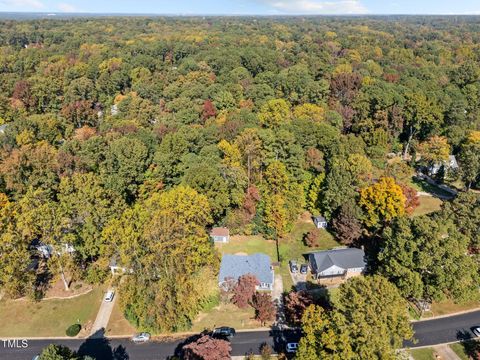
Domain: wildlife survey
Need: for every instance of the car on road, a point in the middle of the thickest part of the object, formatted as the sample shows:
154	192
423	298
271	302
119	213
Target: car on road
303	269
292	347
223	332
109	296
141	338
293	266
476	330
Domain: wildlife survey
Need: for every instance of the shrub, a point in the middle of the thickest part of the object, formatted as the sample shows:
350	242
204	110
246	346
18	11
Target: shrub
312	238
73	330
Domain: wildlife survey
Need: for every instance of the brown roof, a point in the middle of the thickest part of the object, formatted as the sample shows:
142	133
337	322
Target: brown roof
220	231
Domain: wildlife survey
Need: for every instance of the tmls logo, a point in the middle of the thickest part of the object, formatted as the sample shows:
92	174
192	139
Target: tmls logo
15	344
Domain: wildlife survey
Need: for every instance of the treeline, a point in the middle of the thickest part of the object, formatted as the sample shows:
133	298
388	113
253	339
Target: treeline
125	138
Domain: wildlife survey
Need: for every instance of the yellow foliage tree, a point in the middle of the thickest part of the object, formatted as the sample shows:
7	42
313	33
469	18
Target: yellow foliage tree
382	202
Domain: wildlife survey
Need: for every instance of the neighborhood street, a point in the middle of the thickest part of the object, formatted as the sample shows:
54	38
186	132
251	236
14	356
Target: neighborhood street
428	332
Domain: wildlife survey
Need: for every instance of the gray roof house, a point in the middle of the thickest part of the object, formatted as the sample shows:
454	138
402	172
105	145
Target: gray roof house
234	266
320	222
338	262
450	165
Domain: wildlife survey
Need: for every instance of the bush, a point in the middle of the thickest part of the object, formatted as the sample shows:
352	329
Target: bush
312	238
73	330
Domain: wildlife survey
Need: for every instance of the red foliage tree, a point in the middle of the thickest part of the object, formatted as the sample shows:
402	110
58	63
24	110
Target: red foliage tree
412	198
207	348
250	203
244	290
208	110
312	238
346	224
295	305
265	309
81	113
22	91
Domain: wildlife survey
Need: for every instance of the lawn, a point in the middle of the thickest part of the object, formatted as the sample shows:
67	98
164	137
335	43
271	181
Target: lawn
449	307
24	318
422	354
226	315
420	185
117	324
461	349
427	205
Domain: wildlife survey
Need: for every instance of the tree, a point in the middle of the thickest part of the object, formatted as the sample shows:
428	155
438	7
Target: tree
296	302
411	199
207	348
433	263
382	202
435	150
208	110
244	290
312	238
347	223
264	307
58	352
313	195
274	113
322	336
375	316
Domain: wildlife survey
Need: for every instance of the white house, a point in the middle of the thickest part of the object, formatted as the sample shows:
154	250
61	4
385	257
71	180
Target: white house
346	262
220	234
320	222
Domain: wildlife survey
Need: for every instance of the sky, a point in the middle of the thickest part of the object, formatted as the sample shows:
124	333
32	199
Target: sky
246	7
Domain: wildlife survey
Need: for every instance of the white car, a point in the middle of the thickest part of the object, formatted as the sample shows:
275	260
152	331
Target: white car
476	331
141	338
109	296
292	347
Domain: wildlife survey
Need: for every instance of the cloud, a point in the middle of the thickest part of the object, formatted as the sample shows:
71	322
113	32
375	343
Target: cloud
316	6
22	4
66	7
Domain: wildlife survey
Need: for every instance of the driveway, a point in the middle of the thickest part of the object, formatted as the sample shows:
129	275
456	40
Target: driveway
103	316
299	281
277	296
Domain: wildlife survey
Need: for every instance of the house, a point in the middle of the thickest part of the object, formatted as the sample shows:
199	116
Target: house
234	266
47	250
345	262
320	222
220	234
449	165
116	268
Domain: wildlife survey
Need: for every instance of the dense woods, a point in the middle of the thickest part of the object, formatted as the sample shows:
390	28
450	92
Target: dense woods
127	138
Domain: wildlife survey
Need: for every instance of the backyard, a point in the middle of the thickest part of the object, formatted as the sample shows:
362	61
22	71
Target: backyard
24	318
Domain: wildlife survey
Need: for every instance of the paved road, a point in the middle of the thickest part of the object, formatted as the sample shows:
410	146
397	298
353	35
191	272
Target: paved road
429	332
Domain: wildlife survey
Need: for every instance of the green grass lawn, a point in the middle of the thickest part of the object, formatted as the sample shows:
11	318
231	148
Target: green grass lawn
448	307
23	318
422	354
226	315
427	205
461	349
117	324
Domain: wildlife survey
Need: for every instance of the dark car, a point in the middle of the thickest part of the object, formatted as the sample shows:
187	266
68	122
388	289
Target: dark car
223	332
303	269
293	266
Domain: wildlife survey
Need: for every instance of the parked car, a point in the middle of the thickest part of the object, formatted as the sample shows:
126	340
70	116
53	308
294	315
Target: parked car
109	295
303	269
141	337
223	332
476	331
292	347
293	266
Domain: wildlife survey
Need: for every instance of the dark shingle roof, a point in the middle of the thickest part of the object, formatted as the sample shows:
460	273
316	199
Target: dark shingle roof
234	266
343	258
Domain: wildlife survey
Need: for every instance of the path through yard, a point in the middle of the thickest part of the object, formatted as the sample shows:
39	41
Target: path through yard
277	295
103	316
445	352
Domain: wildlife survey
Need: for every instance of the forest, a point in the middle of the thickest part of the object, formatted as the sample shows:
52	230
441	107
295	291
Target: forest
129	138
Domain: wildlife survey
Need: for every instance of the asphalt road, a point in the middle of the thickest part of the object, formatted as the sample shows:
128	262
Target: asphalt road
427	333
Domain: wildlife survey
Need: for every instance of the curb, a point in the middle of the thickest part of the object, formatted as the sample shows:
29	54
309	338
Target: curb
447	315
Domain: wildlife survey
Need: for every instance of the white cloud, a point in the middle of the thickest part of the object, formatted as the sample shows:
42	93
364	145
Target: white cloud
66	7
22	4
317	6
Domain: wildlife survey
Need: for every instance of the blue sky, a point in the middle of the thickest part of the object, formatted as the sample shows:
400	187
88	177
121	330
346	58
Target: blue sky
240	7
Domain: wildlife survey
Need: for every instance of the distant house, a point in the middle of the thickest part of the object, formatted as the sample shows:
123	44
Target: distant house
3	128
450	165
320	222
220	234
345	262
47	250
116	268
234	266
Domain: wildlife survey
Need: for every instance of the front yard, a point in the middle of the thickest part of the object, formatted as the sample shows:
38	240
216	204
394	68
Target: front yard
226	315
24	318
117	324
